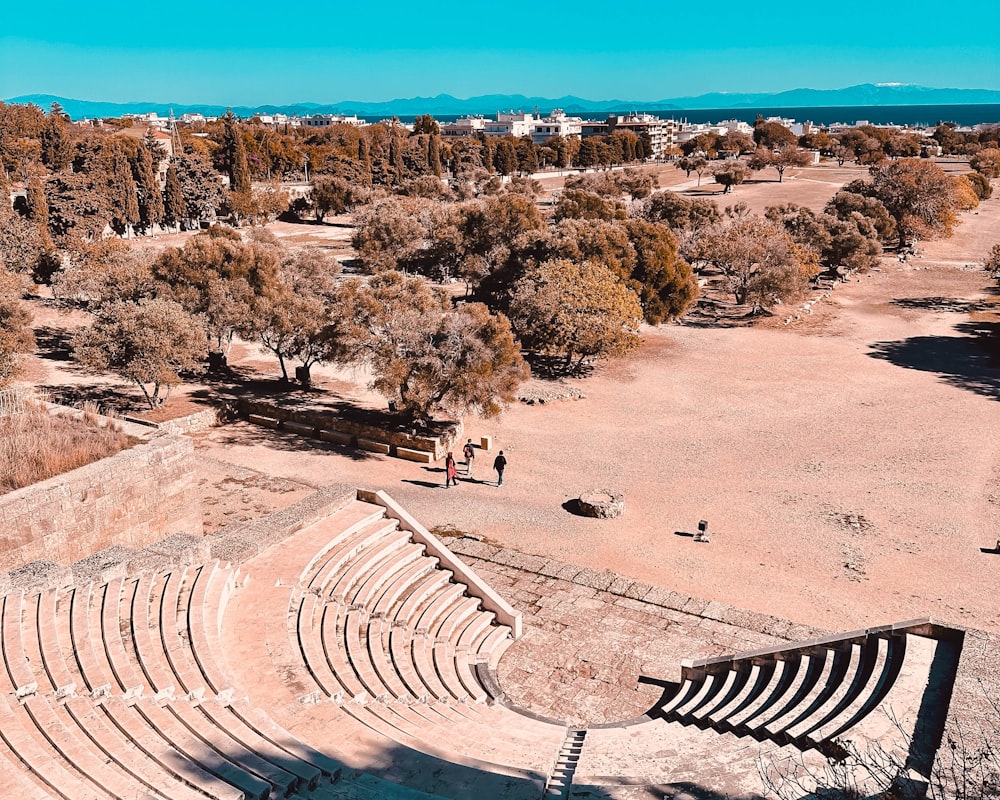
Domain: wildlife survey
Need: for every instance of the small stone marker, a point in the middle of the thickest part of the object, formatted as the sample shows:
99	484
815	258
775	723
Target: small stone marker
702	534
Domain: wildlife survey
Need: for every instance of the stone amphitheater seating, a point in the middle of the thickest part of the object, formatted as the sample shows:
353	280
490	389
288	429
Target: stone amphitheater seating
806	694
355	659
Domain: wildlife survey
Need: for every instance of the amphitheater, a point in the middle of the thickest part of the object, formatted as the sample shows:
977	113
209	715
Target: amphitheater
337	649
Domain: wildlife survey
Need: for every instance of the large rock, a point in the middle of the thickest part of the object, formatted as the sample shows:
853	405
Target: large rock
601	504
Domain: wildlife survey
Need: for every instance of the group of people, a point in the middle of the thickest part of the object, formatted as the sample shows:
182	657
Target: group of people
469	451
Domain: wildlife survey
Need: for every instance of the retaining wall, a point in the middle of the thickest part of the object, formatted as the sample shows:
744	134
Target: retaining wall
133	499
352	433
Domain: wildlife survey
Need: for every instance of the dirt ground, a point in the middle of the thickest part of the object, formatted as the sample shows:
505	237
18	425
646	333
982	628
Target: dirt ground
848	463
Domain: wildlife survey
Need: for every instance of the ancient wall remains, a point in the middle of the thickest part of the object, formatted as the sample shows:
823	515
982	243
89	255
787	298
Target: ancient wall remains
133	499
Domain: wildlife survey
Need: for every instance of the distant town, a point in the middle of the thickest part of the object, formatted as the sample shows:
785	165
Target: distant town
665	135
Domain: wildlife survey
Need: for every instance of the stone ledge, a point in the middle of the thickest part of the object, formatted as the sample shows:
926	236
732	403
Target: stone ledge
620	586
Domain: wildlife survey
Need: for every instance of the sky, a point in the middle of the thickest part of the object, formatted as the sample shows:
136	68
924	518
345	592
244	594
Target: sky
254	53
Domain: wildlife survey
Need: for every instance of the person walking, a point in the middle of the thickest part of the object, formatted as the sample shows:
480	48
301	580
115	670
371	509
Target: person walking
500	464
469	451
450	471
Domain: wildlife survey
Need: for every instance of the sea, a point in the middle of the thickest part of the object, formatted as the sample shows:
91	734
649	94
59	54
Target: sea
912	116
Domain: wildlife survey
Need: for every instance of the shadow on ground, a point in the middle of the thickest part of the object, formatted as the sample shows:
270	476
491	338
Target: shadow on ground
951	304
970	361
249	434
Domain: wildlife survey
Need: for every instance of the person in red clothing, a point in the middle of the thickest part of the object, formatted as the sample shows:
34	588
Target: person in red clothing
450	471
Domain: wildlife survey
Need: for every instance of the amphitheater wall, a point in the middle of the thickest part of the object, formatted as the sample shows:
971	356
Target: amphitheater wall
133	499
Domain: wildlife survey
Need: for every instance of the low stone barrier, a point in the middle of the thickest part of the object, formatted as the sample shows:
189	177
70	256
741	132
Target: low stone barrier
329	427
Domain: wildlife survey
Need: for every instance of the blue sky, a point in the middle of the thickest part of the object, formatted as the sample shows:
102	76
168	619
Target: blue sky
253	53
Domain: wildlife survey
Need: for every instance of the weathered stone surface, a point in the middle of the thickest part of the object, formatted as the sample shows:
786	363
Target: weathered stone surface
131	499
601	504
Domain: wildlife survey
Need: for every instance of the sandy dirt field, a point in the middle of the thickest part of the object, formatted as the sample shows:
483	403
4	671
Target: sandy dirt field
848	463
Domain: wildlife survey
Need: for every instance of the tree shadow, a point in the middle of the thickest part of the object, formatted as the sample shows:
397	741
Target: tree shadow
250	434
554	367
108	397
951	304
54	344
970	362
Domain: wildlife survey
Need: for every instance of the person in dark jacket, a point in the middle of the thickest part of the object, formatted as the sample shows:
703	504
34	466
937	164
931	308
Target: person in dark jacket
469	451
500	464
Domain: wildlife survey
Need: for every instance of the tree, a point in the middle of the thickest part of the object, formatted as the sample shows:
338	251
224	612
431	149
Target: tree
174	206
918	195
992	264
758	260
99	272
980	185
21	243
201	187
781	159
56	149
690	164
772	135
329	195
148	343
579	204
425	123
662	280
235	155
387	233
844	204
16	336
729	174
77	208
221	278
425	357
37	205
575	310
296	320
150	199
987	162
434	154
505	157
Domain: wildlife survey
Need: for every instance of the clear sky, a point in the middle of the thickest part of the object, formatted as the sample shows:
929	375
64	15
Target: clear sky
252	52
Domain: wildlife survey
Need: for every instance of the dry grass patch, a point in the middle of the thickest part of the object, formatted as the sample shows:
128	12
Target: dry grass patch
37	444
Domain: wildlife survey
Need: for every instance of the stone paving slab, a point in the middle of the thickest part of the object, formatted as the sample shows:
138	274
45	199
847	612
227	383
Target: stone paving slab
591	634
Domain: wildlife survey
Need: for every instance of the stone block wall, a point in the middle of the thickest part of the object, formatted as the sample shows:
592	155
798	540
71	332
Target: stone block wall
133	499
354	433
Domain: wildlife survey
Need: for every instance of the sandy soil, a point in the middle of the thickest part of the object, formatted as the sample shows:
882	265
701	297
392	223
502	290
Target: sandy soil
848	463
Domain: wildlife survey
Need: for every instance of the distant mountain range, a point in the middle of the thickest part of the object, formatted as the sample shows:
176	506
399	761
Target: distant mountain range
868	94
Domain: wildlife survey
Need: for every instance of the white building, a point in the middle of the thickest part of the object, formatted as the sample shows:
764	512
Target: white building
326	120
463	127
662	133
511	123
556	124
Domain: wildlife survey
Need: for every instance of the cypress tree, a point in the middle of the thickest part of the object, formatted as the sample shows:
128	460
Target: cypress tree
148	187
434	155
56	151
174	207
236	157
37	205
366	162
396	168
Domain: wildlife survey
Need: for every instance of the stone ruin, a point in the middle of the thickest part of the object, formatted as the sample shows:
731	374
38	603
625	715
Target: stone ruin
337	649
